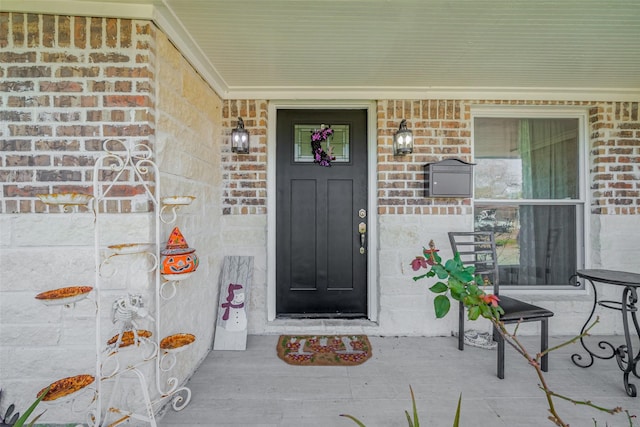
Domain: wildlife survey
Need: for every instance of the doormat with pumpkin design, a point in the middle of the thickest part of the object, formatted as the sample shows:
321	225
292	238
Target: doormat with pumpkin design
324	350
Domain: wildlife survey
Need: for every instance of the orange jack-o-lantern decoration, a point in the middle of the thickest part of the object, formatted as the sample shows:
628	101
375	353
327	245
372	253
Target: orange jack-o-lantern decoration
179	263
178	258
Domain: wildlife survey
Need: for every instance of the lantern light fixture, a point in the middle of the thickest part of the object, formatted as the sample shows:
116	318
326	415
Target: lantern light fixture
403	140
240	138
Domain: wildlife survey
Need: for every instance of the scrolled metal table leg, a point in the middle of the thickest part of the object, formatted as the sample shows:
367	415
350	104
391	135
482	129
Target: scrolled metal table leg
634	316
624	354
576	358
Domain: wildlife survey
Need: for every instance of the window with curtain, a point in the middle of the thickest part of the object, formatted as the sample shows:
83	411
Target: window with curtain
527	190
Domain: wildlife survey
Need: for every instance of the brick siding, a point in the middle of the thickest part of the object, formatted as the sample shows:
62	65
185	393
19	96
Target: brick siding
69	83
245	175
615	158
443	129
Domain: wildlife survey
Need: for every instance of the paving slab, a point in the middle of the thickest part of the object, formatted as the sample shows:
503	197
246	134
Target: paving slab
254	388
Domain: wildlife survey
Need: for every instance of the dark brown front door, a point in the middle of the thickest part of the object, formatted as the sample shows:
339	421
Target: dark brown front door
321	263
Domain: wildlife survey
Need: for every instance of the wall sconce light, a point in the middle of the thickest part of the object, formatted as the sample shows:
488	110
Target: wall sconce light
240	138
403	140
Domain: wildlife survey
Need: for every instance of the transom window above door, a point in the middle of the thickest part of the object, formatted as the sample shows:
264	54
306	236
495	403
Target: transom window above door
528	190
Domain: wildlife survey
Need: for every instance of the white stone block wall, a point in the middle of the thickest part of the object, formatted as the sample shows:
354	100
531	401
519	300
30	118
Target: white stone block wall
41	344
247	236
406	306
612	245
188	146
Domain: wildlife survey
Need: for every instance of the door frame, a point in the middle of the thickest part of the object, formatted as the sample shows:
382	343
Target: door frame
372	213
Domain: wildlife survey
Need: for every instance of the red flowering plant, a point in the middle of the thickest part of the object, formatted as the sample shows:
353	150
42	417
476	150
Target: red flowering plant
458	281
463	285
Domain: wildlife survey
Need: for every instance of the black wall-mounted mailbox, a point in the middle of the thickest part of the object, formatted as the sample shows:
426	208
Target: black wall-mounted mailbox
448	178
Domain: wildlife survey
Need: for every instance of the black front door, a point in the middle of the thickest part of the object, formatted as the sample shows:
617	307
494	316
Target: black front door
321	259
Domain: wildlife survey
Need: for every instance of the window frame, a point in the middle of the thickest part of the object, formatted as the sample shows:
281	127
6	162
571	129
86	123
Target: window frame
581	202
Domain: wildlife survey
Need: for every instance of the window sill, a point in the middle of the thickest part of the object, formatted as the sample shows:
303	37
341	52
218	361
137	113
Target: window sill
549	294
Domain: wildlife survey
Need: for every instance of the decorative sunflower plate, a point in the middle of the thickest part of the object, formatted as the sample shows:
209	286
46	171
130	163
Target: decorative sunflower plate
128	337
177	342
65	198
130	248
66	386
64	296
177	200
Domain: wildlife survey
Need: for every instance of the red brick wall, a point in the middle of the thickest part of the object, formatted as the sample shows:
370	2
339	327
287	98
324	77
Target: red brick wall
615	154
244	176
67	84
442	128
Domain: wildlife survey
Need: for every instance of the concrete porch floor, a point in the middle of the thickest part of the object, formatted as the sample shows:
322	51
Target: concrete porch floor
255	388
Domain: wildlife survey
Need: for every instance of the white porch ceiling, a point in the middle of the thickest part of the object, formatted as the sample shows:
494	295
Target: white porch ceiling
350	49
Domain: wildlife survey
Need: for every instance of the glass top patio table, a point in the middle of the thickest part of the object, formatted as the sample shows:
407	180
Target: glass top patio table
628	361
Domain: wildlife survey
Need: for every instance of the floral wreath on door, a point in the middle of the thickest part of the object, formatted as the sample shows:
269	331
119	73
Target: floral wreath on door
318	136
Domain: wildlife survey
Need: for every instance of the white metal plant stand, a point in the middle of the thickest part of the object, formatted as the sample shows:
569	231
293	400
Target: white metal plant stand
133	355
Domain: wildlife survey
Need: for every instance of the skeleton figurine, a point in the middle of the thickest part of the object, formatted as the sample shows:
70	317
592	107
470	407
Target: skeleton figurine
124	313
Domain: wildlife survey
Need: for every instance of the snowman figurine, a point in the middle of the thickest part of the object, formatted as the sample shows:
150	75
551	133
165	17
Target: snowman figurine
234	317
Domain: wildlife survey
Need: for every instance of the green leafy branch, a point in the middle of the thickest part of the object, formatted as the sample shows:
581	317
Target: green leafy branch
461	283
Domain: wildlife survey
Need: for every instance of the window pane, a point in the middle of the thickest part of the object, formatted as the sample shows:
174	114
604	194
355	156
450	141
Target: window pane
338	142
526	158
536	244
